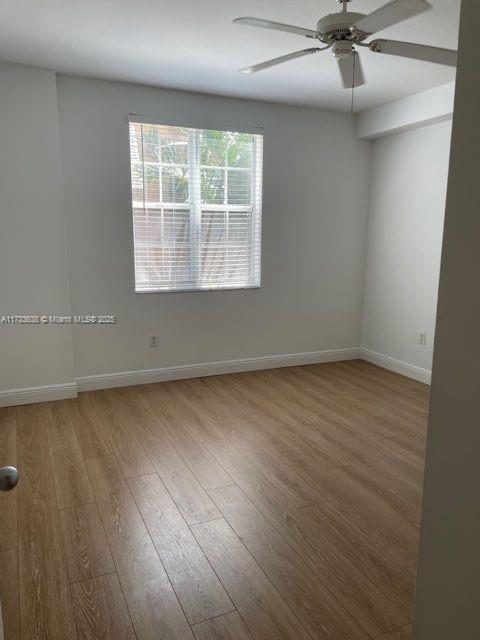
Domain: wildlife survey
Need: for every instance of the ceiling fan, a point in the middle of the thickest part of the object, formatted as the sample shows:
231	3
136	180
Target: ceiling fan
344	31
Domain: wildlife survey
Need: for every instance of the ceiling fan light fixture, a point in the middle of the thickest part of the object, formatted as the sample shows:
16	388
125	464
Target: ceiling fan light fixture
342	49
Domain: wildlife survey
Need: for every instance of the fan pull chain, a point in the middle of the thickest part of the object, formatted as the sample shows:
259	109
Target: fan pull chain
353	84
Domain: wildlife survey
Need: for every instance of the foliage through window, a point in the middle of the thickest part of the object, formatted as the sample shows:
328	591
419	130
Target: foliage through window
197	202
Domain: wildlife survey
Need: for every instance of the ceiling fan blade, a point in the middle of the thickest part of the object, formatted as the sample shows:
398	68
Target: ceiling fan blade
275	61
415	51
347	71
276	26
390	14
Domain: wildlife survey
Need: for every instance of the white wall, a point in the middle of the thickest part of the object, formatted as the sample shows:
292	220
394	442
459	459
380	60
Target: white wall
316	176
412	112
447	597
407	202
316	197
33	264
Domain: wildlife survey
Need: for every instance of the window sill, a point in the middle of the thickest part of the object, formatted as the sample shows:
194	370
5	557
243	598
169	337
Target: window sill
198	290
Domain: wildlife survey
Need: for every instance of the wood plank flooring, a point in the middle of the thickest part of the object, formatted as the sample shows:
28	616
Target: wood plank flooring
270	505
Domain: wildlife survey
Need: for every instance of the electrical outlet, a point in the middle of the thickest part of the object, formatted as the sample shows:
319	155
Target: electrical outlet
422	338
153	341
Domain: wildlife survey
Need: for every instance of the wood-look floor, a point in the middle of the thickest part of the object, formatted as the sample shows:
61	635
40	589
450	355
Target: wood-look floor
272	505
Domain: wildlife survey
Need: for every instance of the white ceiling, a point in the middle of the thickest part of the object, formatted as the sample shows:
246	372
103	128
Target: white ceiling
192	44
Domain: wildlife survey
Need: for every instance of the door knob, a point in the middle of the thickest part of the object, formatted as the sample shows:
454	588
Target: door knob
8	478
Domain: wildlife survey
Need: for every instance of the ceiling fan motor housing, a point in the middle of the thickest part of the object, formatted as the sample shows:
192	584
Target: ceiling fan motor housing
336	26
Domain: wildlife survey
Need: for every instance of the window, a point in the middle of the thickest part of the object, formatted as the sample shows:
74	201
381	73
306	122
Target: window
197	206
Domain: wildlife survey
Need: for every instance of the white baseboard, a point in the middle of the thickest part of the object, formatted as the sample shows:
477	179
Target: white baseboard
29	395
12	397
147	376
404	368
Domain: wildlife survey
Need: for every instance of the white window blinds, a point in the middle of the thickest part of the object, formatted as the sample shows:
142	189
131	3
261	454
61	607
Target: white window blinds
197	207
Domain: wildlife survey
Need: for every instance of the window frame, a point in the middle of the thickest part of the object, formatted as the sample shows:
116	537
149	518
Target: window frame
196	208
